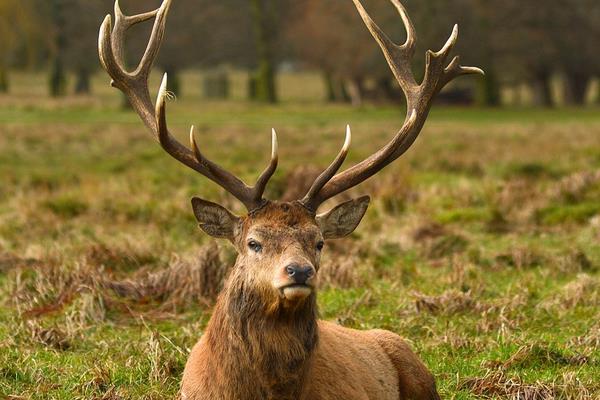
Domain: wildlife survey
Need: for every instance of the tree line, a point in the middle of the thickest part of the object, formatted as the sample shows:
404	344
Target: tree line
518	43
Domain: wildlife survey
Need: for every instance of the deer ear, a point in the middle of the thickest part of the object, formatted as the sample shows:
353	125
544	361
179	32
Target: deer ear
343	219
215	220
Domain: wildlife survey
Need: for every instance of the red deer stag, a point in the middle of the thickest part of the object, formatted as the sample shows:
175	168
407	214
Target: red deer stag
264	340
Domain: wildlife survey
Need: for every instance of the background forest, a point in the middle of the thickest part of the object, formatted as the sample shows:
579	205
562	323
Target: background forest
540	52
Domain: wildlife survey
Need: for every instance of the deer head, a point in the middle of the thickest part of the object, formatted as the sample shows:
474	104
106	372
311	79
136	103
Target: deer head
279	244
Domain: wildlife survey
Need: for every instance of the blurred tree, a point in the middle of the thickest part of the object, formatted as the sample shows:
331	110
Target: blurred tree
265	31
81	22
21	37
57	82
329	35
577	35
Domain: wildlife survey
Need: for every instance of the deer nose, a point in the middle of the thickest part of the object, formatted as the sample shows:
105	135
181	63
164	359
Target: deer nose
300	274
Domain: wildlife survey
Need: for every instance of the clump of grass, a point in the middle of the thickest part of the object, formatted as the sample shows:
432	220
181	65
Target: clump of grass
468	214
538	354
121	257
163	362
340	272
428	230
573	188
66	206
567	213
530	170
392	192
445	246
297	182
590	340
521	257
497	384
90	290
53	337
100	385
576	261
181	284
448	303
9	261
583	291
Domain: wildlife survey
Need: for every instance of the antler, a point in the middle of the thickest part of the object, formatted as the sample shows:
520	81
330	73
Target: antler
419	98
134	85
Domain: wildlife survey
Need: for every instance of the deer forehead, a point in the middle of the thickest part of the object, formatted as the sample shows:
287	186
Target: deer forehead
281	220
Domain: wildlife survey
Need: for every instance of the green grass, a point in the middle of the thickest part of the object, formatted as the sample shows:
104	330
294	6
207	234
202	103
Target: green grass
480	246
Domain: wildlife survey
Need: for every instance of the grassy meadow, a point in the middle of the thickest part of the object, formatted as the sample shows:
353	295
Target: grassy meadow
481	246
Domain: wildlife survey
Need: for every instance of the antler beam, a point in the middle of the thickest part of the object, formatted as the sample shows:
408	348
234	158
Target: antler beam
419	98
134	84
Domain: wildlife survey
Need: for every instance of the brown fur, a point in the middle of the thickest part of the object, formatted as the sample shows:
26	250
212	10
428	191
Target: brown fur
258	345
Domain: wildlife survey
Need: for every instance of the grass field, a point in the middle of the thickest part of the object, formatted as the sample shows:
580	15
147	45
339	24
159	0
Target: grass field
480	247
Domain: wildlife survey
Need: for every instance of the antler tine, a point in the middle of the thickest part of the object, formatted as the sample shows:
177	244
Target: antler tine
419	98
326	175
135	86
261	183
398	56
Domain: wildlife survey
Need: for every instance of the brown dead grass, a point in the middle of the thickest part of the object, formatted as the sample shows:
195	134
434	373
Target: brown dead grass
53	337
181	284
521	258
575	186
590	340
497	384
539	354
90	290
448	303
9	261
298	181
582	291
341	272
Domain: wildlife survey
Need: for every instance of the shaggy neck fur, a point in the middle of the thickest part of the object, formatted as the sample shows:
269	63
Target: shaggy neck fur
260	349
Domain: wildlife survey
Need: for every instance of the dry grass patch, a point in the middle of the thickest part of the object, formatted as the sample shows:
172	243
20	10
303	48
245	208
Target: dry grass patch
90	290
448	303
181	284
538	354
582	291
497	384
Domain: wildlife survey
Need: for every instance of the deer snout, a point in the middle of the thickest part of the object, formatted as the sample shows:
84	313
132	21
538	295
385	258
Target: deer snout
300	274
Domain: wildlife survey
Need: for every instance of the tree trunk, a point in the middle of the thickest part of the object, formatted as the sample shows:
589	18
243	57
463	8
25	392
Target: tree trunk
356	91
216	85
386	88
329	87
174	80
488	90
542	89
83	84
343	94
4	86
58	80
264	26
576	88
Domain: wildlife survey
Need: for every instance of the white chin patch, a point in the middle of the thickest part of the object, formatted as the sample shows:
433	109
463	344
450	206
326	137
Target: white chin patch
294	293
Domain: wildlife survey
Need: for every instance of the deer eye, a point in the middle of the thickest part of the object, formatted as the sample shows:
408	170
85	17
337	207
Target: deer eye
255	246
320	245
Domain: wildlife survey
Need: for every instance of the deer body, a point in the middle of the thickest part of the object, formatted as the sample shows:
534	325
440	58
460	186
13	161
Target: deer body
345	364
259	345
264	340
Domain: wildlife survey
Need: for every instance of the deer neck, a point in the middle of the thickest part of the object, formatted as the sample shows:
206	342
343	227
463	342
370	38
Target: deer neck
262	350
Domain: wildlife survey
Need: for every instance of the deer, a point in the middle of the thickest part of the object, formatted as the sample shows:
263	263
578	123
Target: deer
264	339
